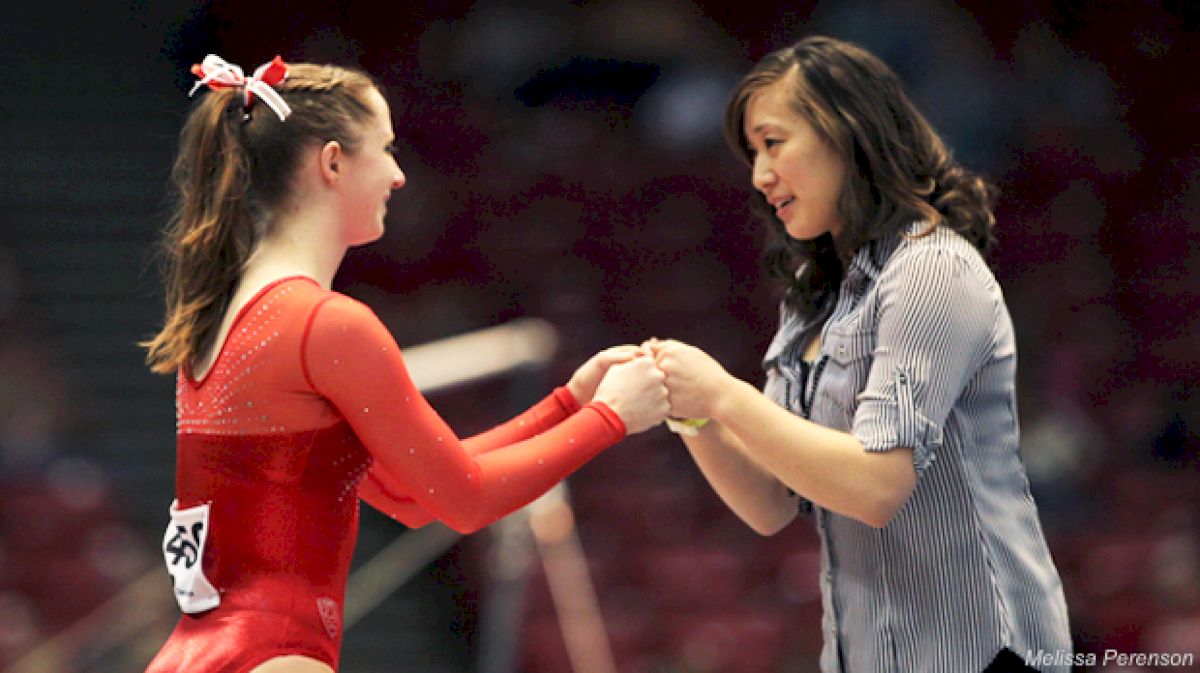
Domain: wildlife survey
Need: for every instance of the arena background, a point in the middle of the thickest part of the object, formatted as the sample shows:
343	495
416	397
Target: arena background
564	161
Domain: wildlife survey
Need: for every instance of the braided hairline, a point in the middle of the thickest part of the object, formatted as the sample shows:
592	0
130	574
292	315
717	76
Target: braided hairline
308	78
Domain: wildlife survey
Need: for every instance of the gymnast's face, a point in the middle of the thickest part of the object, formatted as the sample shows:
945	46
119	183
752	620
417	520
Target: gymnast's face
370	174
798	173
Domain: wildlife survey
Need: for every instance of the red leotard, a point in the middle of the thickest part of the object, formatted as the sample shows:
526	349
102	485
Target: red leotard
308	407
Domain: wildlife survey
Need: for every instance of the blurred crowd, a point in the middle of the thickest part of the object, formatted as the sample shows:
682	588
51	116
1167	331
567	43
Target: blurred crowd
65	542
567	163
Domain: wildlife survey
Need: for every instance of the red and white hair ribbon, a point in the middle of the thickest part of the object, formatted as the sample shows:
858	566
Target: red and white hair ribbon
219	74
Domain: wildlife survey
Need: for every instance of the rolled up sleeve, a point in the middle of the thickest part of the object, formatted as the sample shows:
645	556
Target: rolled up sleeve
936	316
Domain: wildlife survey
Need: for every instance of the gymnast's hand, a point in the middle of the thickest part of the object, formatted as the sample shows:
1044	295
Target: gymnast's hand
694	380
584	381
634	390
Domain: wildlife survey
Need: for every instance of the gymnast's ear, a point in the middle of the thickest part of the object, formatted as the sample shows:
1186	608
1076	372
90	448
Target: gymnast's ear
329	162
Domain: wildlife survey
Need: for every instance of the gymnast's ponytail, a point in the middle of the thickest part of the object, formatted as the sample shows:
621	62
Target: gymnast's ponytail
233	169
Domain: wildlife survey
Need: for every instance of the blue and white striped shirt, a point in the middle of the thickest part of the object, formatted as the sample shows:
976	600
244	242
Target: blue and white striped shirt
918	352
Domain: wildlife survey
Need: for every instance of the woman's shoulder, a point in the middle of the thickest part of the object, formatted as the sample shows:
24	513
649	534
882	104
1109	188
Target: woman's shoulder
926	245
926	257
924	235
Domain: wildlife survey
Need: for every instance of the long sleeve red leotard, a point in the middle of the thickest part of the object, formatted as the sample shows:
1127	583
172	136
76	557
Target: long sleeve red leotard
308	406
382	491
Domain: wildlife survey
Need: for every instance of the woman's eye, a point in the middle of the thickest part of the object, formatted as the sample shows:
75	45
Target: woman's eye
390	149
771	142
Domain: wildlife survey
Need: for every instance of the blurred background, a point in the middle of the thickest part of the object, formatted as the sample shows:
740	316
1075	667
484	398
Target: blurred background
564	161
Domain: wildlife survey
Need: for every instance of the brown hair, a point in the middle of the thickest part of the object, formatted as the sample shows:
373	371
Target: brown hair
233	169
897	168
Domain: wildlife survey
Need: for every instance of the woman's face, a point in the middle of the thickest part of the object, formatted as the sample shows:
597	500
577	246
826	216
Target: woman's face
370	174
799	173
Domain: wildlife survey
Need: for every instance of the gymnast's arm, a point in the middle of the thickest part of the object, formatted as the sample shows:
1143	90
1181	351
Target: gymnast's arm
556	407
549	412
416	453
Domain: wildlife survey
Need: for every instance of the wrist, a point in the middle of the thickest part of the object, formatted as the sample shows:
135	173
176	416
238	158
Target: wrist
610	415
576	391
725	402
567	400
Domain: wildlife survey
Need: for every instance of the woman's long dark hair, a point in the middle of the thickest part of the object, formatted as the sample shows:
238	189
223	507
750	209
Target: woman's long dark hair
897	168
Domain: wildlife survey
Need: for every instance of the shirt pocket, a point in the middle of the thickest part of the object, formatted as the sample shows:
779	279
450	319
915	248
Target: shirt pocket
848	357
775	387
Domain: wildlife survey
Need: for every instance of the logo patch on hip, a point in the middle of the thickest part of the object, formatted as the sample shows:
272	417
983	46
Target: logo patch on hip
331	616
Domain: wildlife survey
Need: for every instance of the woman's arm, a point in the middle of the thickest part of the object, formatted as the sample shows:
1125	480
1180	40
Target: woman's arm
828	467
752	492
935	321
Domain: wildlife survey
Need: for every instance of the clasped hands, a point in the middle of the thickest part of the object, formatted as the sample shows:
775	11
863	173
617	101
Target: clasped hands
646	384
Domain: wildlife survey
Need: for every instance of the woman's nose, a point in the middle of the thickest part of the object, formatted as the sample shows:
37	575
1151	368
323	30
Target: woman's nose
398	180
762	177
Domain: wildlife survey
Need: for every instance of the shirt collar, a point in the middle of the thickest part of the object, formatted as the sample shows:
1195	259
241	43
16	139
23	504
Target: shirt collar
864	269
868	261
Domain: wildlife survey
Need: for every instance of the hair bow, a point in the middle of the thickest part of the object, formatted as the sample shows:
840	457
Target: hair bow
219	74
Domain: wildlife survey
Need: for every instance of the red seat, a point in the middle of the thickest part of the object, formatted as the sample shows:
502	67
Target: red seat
735	640
634	636
689	575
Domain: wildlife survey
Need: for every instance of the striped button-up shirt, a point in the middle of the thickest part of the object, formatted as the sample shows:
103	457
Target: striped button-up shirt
917	351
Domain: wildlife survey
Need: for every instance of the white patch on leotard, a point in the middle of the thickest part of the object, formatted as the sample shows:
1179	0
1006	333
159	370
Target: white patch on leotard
183	552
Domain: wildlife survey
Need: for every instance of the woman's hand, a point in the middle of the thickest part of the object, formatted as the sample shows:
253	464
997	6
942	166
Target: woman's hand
634	390
695	381
584	381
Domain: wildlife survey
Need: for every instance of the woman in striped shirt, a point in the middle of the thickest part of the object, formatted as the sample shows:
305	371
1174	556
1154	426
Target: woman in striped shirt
889	410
